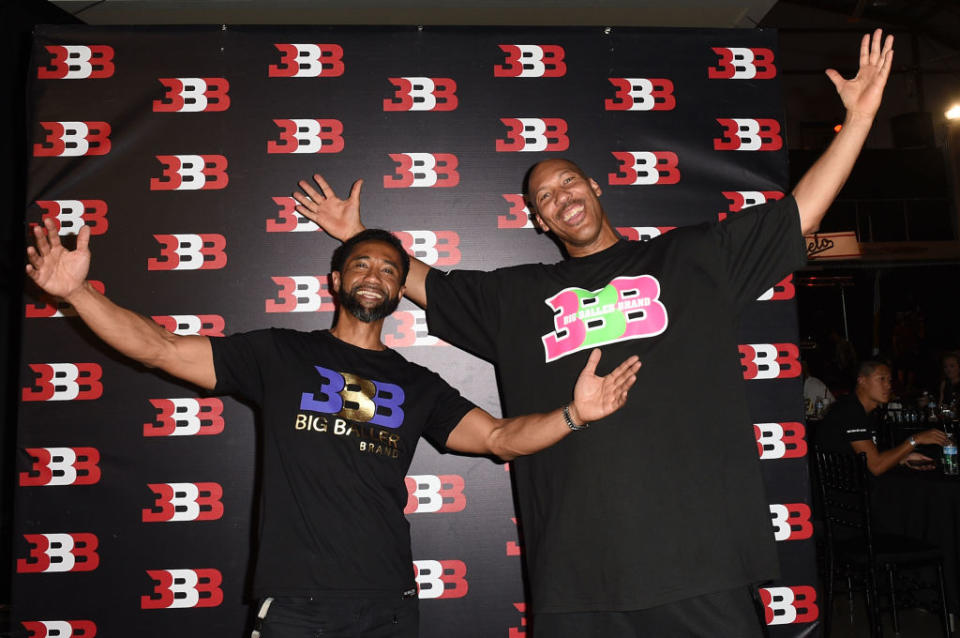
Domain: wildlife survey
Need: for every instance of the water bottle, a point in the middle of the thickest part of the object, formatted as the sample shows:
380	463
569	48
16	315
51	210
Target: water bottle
950	467
818	408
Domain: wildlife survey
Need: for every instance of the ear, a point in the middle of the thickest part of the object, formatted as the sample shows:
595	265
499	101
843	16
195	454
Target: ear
539	222
401	292
335	281
595	186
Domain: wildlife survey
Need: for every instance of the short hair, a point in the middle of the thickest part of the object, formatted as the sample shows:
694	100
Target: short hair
345	249
525	187
868	367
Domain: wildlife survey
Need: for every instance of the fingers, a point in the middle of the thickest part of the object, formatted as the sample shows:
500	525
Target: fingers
865	50
325	190
592	361
835	77
83	238
355	190
52	234
311	192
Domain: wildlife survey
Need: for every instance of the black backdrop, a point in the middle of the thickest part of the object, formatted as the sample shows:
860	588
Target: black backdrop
180	147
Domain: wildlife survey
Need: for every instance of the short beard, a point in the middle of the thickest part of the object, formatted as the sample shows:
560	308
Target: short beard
351	303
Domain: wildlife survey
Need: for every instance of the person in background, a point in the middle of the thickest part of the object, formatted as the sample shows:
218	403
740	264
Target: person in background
852	424
816	395
950	382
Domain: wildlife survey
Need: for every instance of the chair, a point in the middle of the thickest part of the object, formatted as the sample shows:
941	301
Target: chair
855	552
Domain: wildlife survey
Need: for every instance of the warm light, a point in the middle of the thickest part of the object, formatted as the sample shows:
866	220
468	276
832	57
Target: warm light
836	129
953	113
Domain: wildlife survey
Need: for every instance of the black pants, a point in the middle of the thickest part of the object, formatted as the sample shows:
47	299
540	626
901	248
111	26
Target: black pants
339	617
726	614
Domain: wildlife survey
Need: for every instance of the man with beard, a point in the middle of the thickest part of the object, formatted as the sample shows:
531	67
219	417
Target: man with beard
342	415
656	524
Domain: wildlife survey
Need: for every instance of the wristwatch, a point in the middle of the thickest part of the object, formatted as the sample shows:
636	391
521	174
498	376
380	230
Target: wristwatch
912	441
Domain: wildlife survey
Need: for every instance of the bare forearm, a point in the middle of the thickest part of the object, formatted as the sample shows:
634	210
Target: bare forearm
889	458
416	286
528	434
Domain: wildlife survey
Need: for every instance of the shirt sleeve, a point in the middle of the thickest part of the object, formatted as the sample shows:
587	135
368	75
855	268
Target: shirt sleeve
449	409
238	365
463	308
760	246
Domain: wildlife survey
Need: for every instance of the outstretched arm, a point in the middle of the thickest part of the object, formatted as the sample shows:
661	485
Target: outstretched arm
63	273
594	397
340	218
861	97
879	462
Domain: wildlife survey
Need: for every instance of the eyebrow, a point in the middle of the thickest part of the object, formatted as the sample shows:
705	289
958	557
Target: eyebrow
354	258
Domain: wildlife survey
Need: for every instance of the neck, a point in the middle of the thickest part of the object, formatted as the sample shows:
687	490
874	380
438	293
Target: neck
606	238
869	405
358	333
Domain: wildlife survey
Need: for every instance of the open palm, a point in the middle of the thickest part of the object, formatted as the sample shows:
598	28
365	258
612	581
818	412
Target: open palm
863	93
595	397
56	269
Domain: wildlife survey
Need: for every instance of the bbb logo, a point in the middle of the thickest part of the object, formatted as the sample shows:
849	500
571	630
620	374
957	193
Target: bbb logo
70	215
351	397
60	628
788	605
742	63
782	290
422	94
432	247
747	134
408	328
50	306
307	61
186	417
739	200
191	173
50	553
177	502
64	382
423	170
301	293
533	134
52	466
518	214
73	139
203	325
183	589
780	440
641	94
189	252
288	220
77	62
644	168
308	136
791	521
531	61
769	360
193	95
429	494
441	578
643	233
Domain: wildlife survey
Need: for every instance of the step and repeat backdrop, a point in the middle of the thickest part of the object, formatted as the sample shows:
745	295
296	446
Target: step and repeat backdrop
180	148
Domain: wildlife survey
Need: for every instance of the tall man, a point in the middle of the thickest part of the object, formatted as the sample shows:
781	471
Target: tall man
655	524
342	415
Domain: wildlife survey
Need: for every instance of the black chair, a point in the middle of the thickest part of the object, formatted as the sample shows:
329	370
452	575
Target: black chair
856	553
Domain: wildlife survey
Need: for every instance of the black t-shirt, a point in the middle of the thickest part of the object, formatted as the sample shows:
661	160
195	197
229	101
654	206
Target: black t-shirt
846	421
663	500
340	426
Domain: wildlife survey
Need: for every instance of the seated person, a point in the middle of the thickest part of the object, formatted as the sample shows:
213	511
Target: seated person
851	424
950	382
814	389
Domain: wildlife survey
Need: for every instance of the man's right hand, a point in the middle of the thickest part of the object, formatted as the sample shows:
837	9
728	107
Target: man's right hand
338	217
932	436
56	269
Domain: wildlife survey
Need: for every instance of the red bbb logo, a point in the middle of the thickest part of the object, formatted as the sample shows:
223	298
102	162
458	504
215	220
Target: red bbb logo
641	94
73	139
745	199
747	134
791	521
518	215
52	307
408	328
307	61
741	63
186	417
203	325
191	173
429	494
64	382
780	440
423	170
432	247
70	215
644	168
176	502
780	291
77	62
51	553
189	252
534	134
788	605
306	293
308	136
441	578
531	61
288	220
61	466
193	95
769	360
643	233
422	94
60	628
183	589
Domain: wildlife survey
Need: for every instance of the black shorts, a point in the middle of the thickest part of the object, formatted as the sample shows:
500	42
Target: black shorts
726	614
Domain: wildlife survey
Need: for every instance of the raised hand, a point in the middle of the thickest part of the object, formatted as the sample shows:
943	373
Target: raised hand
596	397
862	94
340	218
53	267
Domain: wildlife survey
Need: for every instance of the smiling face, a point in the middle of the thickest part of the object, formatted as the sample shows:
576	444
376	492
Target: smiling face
369	285
566	203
